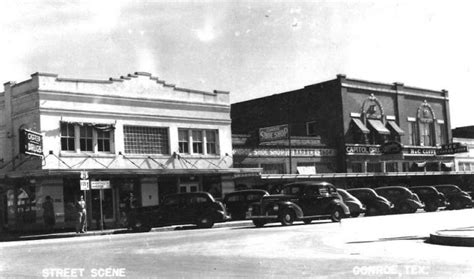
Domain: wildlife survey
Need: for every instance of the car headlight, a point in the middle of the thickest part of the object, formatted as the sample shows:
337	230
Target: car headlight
275	207
250	209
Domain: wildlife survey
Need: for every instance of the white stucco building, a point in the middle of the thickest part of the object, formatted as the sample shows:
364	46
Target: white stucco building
146	137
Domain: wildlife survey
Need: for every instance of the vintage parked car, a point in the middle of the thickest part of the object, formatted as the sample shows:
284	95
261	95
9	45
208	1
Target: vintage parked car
403	199
238	202
431	197
299	201
198	208
456	197
374	203
354	204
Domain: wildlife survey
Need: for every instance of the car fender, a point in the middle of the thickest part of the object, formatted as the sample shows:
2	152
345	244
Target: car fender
335	203
287	204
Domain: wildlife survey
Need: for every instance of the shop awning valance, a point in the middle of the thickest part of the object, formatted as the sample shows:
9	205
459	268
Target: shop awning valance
98	126
378	126
448	164
360	125
421	164
395	127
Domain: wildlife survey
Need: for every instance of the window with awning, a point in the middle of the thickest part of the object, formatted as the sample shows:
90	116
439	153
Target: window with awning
360	125
378	126
396	128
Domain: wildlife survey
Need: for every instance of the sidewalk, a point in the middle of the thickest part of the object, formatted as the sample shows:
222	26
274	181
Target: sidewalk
21	237
454	237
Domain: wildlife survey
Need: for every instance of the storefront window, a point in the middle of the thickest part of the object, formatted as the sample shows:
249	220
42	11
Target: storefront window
26	204
273	168
391	167
356	167
374	167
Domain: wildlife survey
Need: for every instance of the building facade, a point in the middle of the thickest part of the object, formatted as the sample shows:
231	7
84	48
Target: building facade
368	128
135	139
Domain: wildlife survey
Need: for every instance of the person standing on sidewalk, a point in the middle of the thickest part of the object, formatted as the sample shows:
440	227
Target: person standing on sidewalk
81	215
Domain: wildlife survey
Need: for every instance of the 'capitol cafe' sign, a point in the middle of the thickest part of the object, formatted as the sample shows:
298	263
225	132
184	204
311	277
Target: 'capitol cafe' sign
393	148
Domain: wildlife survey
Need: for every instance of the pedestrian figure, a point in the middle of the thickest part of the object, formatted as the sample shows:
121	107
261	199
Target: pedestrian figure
48	214
81	215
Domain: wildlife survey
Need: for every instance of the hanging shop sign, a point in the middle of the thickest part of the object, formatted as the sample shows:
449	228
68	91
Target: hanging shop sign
355	149
31	143
451	148
273	133
99	185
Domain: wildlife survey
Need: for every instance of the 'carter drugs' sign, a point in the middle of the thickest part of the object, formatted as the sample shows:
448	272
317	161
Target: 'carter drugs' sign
31	143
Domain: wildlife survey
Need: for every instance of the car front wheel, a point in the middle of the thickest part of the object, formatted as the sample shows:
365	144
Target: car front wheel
336	214
287	217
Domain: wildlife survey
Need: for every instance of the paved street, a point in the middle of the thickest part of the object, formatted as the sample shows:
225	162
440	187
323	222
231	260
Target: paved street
386	246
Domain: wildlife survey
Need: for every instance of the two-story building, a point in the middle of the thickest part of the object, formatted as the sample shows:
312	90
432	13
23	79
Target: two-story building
134	139
388	131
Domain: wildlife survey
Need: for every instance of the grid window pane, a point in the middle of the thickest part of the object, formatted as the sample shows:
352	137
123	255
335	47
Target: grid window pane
197	142
86	138
145	140
103	141
211	142
67	137
183	136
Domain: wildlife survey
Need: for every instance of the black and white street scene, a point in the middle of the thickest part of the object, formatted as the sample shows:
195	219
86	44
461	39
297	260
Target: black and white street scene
236	139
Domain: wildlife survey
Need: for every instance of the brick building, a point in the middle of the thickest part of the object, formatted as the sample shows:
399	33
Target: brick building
370	129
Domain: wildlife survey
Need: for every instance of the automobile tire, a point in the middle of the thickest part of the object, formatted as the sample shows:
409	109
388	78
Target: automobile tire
336	214
307	221
431	207
287	217
258	223
205	221
405	208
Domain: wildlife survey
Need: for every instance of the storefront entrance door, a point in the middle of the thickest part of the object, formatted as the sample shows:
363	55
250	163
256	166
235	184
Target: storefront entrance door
107	208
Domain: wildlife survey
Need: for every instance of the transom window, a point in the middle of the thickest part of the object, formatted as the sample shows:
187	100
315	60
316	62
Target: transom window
145	140
192	141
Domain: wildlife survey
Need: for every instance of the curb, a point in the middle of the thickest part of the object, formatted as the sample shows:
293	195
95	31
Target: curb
457	237
6	238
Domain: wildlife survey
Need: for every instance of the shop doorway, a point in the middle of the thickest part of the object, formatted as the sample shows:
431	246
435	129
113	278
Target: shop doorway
107	207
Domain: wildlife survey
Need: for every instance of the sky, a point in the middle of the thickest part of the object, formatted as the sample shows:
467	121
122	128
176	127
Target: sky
250	48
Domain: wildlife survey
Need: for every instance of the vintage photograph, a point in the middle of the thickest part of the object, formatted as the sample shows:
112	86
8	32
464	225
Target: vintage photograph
236	139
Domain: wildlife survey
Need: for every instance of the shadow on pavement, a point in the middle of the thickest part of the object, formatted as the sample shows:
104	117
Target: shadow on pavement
412	237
